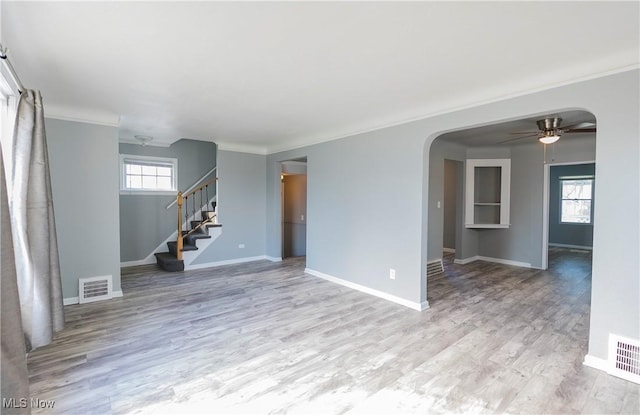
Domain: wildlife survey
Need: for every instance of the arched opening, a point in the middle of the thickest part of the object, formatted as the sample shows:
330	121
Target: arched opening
504	278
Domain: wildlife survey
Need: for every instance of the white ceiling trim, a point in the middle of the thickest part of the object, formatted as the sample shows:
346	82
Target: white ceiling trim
72	114
481	101
241	148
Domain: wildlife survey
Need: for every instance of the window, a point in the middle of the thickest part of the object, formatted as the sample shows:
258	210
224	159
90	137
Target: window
576	204
141	174
8	107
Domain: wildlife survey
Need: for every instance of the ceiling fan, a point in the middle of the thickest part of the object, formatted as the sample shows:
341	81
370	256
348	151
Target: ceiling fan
549	130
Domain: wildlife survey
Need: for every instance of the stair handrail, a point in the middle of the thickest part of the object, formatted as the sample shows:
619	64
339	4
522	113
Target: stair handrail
193	186
199	188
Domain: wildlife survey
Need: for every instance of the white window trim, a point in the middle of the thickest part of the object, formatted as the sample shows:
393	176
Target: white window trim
166	160
9	94
593	184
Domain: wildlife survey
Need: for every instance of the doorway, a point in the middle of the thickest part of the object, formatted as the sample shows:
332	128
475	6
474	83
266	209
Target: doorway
294	208
570	190
452	210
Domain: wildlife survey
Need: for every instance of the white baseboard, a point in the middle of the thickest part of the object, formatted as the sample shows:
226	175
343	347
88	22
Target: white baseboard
146	261
225	262
465	261
449	250
273	258
76	300
587	248
596	363
70	300
489	259
411	304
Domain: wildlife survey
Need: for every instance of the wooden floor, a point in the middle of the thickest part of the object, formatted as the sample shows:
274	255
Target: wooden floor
266	338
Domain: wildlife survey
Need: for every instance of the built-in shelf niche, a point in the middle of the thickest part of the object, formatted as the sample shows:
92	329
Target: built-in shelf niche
487	193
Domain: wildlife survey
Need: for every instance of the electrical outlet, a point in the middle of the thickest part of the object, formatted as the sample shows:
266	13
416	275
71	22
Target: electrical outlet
302	218
241	246
438	204
392	273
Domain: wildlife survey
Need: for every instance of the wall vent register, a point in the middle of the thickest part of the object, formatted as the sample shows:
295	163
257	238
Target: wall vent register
624	358
95	289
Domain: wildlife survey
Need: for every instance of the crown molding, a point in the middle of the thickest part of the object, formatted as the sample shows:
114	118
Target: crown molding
293	145
88	117
241	148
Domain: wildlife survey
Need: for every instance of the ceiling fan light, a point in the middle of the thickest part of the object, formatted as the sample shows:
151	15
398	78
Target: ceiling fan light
549	139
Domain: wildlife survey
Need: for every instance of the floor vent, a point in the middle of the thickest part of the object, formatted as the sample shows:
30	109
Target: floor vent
624	358
95	289
435	267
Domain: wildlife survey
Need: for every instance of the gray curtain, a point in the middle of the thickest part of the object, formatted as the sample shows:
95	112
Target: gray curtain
33	226
15	379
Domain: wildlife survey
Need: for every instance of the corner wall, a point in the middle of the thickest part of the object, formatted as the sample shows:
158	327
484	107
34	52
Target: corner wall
241	209
84	179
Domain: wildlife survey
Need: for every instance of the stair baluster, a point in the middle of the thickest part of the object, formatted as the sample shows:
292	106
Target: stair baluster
193	206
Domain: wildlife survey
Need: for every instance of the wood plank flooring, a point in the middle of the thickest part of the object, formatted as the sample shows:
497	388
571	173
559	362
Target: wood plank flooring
266	338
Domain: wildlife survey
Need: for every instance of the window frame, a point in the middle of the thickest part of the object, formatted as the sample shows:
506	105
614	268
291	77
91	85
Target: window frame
9	94
126	159
561	181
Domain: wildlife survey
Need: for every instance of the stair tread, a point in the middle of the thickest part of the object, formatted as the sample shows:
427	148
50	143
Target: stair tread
195	223
199	233
196	236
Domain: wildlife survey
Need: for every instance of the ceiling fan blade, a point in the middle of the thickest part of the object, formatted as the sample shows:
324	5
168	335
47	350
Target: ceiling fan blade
580	130
578	126
524	132
518	138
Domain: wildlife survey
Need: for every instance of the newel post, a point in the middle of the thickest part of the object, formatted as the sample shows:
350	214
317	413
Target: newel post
179	238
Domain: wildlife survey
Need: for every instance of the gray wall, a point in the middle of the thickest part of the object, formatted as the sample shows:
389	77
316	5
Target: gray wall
363	198
84	178
241	208
294	221
370	206
567	233
145	222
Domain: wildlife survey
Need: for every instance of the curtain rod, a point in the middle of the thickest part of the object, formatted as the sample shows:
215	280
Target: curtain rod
12	72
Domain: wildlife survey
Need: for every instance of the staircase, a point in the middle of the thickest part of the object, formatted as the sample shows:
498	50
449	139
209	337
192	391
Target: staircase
198	229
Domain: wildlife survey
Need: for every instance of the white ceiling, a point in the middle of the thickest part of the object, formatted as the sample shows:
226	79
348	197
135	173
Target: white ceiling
269	76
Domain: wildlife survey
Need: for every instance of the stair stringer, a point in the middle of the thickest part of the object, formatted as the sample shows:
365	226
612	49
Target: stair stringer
189	256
